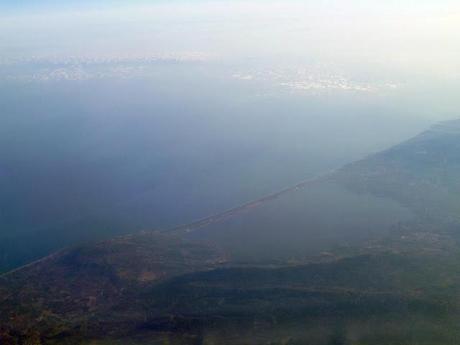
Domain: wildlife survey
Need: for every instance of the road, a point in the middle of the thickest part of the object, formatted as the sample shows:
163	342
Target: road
222	216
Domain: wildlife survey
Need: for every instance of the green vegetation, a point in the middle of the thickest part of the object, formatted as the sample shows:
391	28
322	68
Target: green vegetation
394	296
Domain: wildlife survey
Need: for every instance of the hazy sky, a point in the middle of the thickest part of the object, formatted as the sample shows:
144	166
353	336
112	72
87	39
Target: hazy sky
407	49
420	36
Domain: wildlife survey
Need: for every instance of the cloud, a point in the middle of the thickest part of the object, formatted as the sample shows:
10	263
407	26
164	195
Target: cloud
313	79
80	68
243	76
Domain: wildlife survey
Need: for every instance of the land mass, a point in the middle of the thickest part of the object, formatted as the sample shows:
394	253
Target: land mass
296	267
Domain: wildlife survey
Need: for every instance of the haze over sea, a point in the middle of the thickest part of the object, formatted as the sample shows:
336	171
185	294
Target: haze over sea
150	114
